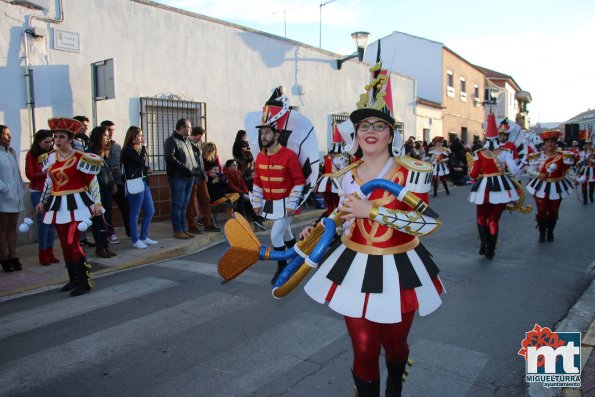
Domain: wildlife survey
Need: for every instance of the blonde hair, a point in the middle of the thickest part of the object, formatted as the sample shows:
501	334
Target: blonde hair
209	152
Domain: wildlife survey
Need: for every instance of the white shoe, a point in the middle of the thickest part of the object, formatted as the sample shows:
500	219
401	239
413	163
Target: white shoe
139	244
148	241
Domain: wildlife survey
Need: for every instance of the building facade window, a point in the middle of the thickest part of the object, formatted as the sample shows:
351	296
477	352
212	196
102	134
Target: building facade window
450	89
463	90
158	121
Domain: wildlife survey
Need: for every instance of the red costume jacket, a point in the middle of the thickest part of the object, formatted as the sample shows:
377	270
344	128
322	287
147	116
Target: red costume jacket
278	173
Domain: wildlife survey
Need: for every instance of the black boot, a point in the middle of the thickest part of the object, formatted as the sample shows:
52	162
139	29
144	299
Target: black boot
71	279
446	187
395	378
16	265
483	237
541	224
366	388
105	243
82	274
551	225
280	265
435	189
6	265
585	197
491	247
290	243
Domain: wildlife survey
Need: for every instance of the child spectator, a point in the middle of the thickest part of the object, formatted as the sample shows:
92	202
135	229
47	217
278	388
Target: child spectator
217	186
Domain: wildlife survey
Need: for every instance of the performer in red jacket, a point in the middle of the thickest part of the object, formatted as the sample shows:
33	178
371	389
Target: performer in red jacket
278	178
586	170
439	156
71	196
493	189
549	184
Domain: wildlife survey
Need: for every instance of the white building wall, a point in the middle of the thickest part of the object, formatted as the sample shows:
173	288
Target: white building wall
160	51
412	56
428	118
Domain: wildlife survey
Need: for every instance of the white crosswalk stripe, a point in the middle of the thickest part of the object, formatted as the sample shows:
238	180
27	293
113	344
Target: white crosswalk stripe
451	377
259	360
87	352
53	312
209	269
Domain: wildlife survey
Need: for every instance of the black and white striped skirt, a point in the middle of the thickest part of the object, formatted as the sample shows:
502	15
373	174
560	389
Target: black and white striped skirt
377	287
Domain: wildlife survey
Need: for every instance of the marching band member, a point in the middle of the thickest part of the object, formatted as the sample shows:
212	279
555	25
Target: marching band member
493	189
586	173
549	184
378	274
439	155
334	161
503	132
71	196
278	178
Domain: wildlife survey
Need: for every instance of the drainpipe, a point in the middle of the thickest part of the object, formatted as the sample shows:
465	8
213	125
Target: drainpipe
28	71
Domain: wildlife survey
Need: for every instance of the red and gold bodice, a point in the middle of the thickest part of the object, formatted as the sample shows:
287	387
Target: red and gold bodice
371	237
486	164
553	167
74	174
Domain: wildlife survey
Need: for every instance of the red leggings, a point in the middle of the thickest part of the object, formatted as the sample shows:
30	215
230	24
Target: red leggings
69	240
332	201
367	337
546	208
488	214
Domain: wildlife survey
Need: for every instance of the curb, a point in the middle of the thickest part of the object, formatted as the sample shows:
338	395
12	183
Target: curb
185	248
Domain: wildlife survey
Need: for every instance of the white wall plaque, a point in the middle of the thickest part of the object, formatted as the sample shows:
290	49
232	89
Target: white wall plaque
66	41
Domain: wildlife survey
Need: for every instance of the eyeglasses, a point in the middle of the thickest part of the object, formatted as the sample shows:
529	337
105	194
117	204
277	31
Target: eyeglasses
377	126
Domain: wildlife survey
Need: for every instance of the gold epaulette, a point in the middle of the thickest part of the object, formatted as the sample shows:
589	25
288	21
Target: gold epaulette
346	169
534	156
43	157
414	164
92	158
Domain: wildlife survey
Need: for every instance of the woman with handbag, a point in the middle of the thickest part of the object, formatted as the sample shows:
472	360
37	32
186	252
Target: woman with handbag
99	145
135	171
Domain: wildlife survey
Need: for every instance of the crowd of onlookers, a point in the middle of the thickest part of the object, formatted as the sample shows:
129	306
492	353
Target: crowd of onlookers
457	161
200	184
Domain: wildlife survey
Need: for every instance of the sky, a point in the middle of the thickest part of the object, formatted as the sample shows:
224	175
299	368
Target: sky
547	46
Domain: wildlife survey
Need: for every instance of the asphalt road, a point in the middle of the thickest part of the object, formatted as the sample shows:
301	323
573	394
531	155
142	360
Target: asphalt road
171	328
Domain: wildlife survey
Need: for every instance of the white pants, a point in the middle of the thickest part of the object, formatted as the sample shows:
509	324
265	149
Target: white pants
281	231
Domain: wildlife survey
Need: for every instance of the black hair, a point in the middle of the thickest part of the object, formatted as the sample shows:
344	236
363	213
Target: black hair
359	153
181	123
198	130
107	123
81	118
40	135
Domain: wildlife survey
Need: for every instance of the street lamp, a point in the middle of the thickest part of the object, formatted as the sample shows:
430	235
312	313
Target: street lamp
361	42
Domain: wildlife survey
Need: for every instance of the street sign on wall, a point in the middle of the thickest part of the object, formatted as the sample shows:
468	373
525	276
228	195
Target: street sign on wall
66	41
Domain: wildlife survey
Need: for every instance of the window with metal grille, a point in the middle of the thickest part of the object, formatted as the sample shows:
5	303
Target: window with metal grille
158	121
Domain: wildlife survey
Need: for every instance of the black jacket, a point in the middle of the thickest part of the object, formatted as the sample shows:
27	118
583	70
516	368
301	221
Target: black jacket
135	163
180	160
